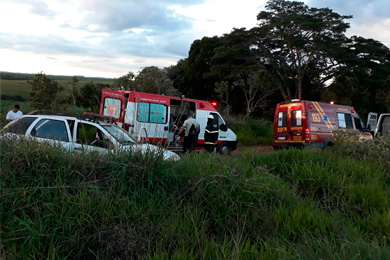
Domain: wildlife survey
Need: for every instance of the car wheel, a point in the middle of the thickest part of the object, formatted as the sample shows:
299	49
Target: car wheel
225	149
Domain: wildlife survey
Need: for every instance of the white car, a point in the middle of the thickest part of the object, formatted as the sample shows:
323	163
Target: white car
80	133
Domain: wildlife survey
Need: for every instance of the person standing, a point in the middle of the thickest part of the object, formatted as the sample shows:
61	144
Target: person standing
211	134
14	113
191	128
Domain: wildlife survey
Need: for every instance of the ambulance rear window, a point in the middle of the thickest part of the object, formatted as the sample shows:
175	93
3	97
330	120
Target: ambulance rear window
112	107
296	118
282	119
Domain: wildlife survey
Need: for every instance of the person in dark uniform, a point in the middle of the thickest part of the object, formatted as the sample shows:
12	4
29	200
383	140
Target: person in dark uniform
211	134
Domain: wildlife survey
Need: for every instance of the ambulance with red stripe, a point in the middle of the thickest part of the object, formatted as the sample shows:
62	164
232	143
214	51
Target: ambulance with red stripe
156	118
308	123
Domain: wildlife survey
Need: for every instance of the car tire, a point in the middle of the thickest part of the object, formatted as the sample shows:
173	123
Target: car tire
225	149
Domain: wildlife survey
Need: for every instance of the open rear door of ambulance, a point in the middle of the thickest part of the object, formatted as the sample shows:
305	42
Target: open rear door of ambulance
112	104
280	126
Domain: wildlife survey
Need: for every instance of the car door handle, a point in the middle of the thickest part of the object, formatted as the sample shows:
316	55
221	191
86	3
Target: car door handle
77	148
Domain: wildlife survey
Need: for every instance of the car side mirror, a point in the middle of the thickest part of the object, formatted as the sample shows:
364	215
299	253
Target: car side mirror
223	127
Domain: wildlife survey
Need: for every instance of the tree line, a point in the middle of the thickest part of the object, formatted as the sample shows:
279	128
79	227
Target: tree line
295	52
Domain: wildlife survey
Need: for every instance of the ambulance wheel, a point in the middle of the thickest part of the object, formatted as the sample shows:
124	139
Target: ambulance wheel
225	149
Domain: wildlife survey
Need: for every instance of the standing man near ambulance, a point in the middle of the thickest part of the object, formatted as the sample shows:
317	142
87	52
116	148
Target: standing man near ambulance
191	128
211	134
14	113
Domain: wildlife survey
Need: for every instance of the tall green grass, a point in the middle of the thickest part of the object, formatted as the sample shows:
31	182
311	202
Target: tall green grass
296	204
253	132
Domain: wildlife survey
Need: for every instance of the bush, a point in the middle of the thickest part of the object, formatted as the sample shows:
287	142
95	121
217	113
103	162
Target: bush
253	132
375	150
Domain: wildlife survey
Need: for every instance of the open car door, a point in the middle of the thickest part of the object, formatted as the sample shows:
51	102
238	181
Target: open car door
372	121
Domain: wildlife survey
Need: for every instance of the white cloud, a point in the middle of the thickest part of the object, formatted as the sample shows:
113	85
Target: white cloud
216	17
16	61
377	29
110	38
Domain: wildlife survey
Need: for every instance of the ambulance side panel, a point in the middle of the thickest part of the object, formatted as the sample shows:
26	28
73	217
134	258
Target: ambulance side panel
148	116
321	122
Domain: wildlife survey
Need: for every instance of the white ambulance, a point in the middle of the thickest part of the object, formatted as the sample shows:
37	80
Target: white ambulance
156	118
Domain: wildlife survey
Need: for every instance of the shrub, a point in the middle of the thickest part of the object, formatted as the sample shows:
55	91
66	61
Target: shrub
253	132
348	143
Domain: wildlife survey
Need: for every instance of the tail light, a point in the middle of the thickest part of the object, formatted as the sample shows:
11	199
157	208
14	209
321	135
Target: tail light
307	134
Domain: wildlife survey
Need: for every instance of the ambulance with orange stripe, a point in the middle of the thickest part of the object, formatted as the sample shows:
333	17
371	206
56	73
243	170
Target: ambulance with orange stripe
157	118
300	123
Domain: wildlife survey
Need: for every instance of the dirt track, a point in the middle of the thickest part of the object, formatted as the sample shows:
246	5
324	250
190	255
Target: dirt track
259	148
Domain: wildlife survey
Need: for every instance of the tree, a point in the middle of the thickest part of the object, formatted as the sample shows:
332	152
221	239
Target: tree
291	37
363	78
235	64
90	96
124	82
200	83
74	93
177	74
223	89
44	92
154	80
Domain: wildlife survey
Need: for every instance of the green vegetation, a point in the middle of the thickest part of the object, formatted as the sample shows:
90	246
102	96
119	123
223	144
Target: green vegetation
253	132
25	107
7	105
296	204
13	88
28	76
292	53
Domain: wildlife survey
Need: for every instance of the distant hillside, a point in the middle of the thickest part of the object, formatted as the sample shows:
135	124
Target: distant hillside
27	76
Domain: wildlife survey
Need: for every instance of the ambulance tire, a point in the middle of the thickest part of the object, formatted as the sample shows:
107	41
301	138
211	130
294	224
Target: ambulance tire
225	149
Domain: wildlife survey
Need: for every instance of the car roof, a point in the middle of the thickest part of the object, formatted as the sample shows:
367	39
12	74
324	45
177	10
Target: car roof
95	118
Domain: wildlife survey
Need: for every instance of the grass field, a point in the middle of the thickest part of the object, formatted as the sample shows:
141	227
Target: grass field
21	88
296	204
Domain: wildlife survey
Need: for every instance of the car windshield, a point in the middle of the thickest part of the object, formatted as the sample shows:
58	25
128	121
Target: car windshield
119	134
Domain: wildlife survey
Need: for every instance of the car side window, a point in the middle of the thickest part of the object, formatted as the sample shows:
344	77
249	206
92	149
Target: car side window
20	125
91	135
51	129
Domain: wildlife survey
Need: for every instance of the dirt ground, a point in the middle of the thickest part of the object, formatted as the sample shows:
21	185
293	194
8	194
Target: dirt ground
259	148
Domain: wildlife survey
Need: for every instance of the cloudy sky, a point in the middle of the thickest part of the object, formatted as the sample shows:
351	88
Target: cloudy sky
104	38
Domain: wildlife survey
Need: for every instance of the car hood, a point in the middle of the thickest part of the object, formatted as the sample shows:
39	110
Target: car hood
148	148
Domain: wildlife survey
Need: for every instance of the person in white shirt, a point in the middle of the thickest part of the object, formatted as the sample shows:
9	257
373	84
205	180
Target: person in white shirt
191	128
14	113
